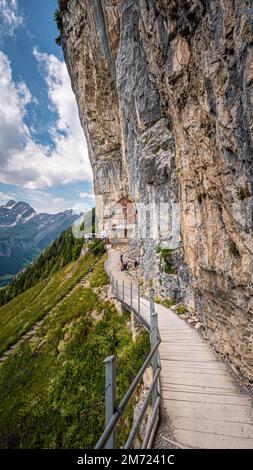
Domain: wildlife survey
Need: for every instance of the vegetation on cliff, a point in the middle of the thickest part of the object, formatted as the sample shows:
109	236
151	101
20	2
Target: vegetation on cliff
166	258
58	20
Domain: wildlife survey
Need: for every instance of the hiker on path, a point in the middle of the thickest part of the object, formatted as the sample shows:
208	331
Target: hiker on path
121	261
136	263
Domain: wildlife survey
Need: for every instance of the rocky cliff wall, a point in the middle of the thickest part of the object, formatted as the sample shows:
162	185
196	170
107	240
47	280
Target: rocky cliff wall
164	89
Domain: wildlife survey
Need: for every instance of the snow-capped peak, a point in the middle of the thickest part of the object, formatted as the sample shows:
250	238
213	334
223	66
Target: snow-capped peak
16	213
29	217
10	204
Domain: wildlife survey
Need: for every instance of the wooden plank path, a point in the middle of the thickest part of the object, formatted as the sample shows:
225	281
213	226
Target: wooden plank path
203	402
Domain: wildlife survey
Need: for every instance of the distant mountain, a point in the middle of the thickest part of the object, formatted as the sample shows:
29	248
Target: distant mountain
24	234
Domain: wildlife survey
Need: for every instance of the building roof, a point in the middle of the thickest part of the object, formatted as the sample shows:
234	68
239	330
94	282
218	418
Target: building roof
125	198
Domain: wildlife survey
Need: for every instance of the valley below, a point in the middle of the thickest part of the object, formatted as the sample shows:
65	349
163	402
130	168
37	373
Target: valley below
24	234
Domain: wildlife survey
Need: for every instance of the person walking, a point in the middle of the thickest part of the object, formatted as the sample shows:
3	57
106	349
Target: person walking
121	260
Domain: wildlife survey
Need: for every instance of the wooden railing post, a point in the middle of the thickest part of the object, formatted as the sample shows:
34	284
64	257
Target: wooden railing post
153	340
110	397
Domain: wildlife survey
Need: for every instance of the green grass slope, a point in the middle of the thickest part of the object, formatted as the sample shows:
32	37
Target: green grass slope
52	387
22	312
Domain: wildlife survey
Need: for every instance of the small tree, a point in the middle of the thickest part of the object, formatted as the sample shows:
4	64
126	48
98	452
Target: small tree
59	24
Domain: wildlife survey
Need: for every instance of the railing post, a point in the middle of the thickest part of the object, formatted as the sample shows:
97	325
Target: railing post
123	291
131	295
153	340
110	397
139	302
117	288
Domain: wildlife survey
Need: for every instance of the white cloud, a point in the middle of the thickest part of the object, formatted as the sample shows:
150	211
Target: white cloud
5	197
81	207
10	17
58	200
84	195
25	162
44	201
41	201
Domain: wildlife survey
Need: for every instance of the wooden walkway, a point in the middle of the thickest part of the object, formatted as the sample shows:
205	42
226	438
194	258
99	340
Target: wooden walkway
204	404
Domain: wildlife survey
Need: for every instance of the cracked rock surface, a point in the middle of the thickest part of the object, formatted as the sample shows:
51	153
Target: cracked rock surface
164	89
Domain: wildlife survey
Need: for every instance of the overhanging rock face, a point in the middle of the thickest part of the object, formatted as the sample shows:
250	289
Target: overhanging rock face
164	90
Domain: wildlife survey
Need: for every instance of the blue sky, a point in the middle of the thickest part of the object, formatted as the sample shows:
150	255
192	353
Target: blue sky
43	153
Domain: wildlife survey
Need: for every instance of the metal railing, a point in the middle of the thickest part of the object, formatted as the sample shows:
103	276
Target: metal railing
131	300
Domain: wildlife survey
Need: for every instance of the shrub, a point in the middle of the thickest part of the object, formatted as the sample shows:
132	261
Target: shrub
58	40
165	255
181	309
58	20
168	303
165	302
242	193
146	139
97	247
157	149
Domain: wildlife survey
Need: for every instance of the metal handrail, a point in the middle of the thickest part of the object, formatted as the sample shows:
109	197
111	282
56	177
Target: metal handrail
107	439
151	423
133	308
142	410
119	411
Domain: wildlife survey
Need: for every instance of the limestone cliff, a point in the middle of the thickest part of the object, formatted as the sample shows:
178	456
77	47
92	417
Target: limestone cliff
164	89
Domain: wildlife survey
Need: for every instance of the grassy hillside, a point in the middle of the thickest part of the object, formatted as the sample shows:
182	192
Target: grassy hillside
20	314
52	387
